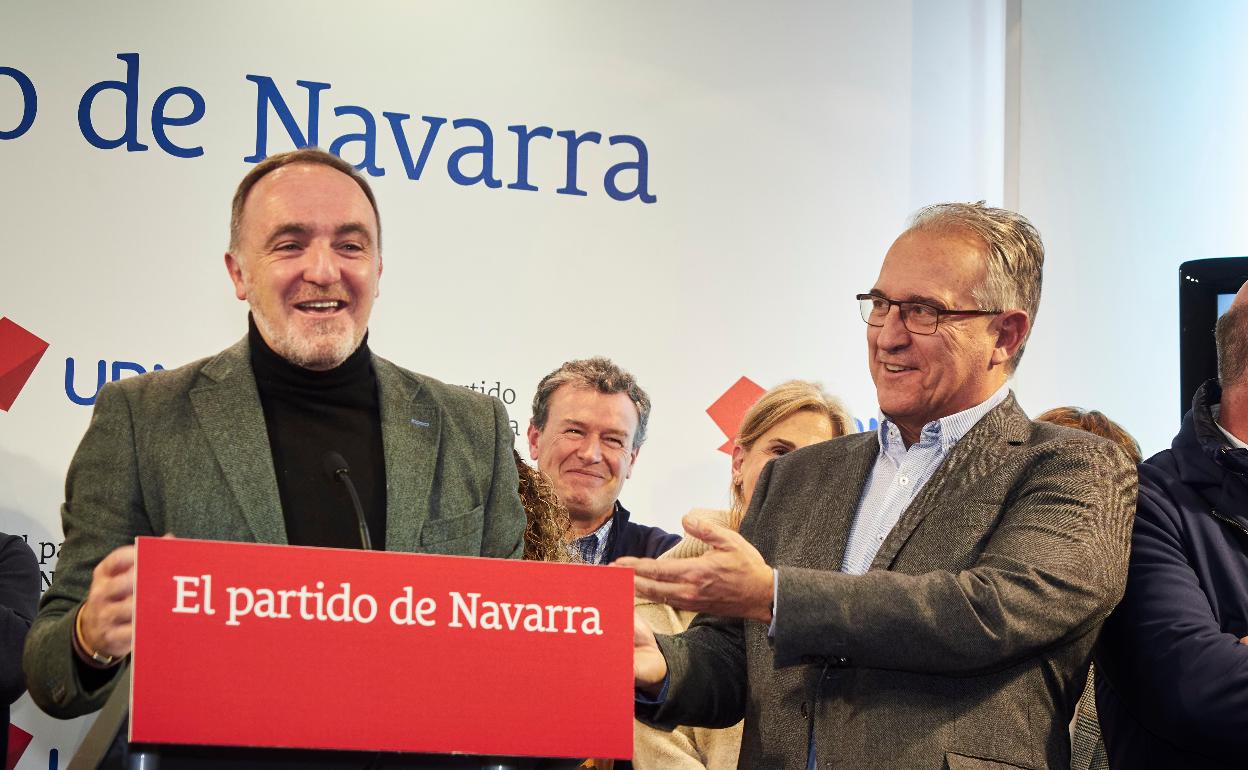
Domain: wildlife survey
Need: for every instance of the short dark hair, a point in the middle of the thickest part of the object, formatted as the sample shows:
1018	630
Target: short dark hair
600	374
1231	337
274	162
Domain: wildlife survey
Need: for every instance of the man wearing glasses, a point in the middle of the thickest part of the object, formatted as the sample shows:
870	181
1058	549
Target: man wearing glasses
926	595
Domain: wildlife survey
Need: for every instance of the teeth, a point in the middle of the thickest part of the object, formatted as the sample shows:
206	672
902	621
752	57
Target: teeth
321	304
895	368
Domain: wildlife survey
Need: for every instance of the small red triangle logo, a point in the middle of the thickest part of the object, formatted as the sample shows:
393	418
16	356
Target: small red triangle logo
20	352
729	409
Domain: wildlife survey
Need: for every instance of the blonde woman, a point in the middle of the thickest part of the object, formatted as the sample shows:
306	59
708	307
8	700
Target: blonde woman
790	416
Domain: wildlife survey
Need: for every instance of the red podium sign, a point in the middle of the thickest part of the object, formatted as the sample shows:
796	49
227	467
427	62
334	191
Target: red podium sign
238	644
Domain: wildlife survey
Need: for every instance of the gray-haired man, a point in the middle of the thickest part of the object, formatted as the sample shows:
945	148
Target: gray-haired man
925	596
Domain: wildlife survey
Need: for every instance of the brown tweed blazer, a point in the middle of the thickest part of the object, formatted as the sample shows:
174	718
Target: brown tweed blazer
966	644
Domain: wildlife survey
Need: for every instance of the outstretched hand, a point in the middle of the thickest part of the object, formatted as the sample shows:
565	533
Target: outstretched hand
731	579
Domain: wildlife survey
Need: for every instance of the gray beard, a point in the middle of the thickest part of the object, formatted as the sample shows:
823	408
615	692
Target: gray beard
326	348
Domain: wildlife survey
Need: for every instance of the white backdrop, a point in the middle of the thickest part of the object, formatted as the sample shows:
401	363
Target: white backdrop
1133	160
786	144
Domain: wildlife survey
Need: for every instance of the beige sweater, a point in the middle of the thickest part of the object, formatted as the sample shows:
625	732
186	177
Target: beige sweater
684	747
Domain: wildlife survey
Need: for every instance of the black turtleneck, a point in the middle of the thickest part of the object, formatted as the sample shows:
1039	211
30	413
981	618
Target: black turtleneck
309	414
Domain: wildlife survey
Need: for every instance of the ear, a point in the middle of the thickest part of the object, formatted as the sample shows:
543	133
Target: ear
738	458
235	268
380	266
1011	328
632	460
533	434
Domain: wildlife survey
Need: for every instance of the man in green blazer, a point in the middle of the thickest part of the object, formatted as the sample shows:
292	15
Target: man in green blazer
235	446
926	595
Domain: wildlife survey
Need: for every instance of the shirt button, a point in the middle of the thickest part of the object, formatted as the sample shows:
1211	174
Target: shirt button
903	480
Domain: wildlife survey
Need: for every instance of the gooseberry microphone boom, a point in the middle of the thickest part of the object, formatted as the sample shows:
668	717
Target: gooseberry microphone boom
338	470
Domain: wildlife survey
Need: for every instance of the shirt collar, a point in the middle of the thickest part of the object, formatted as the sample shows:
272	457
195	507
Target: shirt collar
946	431
604	529
602	532
591	547
1216	411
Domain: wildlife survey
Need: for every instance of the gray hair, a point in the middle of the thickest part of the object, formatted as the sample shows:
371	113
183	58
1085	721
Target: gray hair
1231	336
600	374
1013	252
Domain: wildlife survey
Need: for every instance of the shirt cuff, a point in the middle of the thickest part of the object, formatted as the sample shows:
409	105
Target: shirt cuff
775	597
645	700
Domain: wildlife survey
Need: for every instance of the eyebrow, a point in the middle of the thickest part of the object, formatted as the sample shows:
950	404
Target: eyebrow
923	298
354	228
568	422
292	228
304	230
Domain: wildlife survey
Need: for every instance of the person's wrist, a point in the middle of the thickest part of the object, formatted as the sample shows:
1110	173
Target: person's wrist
764	602
654	688
87	654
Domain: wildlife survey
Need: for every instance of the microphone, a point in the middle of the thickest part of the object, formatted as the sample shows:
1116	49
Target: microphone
336	467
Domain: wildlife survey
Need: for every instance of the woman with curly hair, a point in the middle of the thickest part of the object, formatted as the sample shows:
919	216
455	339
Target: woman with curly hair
546	519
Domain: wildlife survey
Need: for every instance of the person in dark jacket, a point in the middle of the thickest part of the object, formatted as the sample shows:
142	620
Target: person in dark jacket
19	600
589	422
1172	663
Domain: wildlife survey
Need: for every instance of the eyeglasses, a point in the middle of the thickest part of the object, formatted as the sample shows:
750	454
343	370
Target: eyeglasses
918	317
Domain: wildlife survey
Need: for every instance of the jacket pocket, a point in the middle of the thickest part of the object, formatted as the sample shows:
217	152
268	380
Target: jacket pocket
956	761
456	535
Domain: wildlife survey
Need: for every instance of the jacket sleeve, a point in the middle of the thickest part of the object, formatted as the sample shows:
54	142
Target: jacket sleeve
661	749
503	535
103	510
19	597
1052	566
1163	651
707	685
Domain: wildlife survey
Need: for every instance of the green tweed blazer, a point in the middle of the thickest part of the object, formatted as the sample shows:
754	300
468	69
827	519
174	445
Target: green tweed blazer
964	647
186	451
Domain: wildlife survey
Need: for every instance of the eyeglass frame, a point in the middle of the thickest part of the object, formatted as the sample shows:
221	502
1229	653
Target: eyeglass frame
901	311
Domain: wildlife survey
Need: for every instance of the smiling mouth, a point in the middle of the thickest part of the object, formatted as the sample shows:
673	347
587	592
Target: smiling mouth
321	306
897	368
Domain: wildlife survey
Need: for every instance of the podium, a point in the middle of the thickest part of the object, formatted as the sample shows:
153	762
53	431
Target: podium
422	660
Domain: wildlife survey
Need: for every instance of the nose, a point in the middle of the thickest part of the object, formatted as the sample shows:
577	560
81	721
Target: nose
590	450
321	265
893	335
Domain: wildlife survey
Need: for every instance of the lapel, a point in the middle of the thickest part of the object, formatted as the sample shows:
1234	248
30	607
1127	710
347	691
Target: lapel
227	405
978	455
836	493
411	430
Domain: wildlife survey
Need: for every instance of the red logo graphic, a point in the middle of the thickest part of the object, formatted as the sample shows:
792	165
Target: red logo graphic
729	408
19	739
20	352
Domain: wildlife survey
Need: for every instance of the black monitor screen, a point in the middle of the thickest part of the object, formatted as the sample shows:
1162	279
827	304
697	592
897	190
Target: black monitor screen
1206	288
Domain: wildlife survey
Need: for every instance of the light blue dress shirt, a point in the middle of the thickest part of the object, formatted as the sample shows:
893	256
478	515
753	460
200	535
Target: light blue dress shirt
899	474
